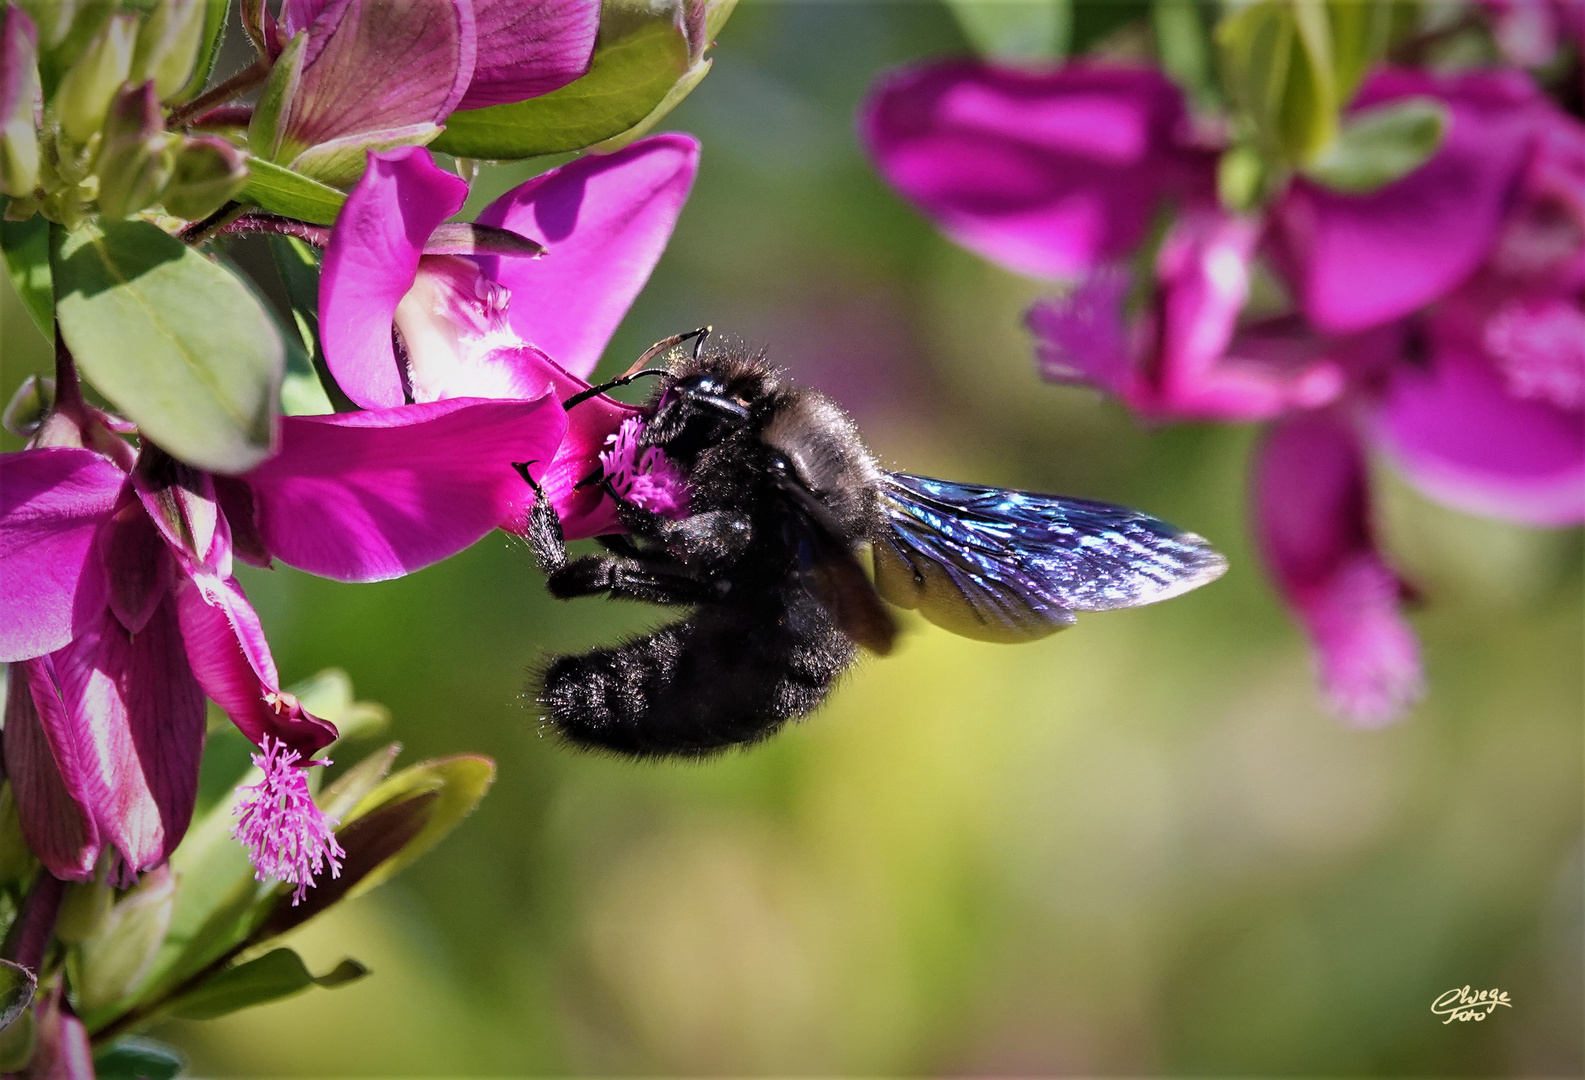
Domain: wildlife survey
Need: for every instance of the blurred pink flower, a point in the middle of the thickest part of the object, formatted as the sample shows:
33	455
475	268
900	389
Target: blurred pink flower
1049	174
1442	312
1311	496
488	324
120	612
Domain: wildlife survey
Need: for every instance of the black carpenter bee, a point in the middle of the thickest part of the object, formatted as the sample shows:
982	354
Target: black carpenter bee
783	497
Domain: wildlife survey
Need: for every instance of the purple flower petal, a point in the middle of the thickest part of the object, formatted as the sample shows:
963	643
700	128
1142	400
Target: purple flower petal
453	328
585	511
135	722
1176	361
51	503
1462	437
529	47
1047	174
1361	260
1312	512
374	495
49	791
1082	337
604	220
372	65
231	660
138	564
63	1050
180	501
370	263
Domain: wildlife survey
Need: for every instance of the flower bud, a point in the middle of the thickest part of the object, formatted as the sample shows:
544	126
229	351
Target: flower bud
23	416
209	171
16	859
114	961
53	18
20	103
84	907
86	92
134	162
167	45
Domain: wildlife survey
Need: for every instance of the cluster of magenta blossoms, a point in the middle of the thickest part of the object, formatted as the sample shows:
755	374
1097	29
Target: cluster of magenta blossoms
457	343
1435	319
377	426
121	613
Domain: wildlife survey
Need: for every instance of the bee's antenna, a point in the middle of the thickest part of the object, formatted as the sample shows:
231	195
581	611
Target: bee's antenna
622	380
639	370
698	342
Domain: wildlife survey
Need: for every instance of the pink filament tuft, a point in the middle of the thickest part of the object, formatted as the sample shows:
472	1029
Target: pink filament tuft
648	480
287	836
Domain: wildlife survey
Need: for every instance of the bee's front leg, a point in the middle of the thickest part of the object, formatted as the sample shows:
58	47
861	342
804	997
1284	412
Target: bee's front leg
543	533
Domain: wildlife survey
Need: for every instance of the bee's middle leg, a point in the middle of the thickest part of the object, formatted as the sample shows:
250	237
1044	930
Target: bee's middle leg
654	581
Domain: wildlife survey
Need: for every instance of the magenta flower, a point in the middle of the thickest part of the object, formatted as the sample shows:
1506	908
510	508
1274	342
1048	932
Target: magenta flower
488	325
121	612
1442	311
381	73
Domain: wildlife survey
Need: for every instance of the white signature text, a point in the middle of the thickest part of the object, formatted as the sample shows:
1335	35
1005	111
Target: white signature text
1464	1004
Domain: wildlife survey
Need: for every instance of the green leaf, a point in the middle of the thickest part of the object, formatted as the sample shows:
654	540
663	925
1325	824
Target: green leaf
277	974
460	782
137	1058
26	246
389	829
1377	146
1016	29
629	78
282	191
297	263
176	342
1255	49
679	90
266	130
1184	46
338	799
1308	117
370	842
17	984
1360	32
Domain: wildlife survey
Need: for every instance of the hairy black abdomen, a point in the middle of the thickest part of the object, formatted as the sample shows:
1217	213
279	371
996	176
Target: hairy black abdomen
725	676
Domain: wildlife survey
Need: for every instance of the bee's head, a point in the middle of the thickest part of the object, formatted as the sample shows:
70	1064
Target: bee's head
705	403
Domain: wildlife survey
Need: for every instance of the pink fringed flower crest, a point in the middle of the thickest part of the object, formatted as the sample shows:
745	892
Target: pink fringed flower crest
287	836
648	479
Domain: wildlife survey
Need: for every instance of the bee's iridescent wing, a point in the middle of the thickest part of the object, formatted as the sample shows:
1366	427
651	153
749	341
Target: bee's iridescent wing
1003	565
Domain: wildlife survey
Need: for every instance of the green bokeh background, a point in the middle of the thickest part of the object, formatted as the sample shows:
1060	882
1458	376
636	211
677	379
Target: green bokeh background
1138	846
